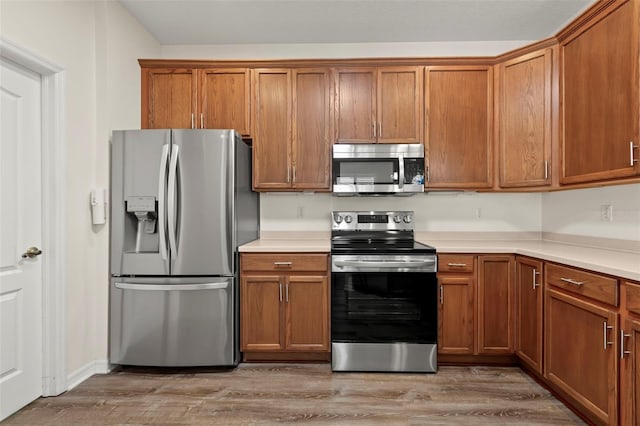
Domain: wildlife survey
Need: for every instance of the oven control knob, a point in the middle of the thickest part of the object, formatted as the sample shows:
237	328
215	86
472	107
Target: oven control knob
338	219
348	219
397	219
407	219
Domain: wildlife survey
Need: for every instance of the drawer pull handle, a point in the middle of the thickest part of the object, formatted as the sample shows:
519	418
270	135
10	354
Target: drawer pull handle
622	351
457	265
605	328
283	263
574	282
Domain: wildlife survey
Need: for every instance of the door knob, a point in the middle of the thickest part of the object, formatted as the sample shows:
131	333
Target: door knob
31	252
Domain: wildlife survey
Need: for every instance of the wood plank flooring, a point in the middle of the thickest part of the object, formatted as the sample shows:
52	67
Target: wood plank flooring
301	393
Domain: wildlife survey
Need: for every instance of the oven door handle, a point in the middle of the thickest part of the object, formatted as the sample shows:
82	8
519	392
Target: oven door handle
384	264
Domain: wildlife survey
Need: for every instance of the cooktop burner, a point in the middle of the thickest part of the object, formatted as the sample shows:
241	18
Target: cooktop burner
375	232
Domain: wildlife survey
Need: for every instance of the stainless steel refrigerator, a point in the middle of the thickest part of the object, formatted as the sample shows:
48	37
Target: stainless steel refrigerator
181	204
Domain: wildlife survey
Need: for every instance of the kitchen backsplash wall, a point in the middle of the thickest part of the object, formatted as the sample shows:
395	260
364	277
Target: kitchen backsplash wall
435	212
585	212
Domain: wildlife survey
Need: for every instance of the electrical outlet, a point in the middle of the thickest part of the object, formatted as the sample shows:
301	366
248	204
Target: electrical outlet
478	213
606	213
300	212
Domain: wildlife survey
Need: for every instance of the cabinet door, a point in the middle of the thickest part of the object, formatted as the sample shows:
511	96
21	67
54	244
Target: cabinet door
630	373
224	99
458	132
456	314
168	98
525	120
600	98
307	318
400	105
495	304
355	105
312	129
581	349
272	128
529	281
261	313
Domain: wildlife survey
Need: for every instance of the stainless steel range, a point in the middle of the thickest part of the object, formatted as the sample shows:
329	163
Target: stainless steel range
383	294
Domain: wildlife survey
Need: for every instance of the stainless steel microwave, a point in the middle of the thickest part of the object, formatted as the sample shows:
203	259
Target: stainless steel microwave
378	169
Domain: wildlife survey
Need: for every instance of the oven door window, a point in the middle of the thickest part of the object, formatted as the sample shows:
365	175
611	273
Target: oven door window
369	171
383	307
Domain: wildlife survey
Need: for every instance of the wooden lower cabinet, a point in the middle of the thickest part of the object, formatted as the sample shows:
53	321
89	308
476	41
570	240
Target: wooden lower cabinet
528	310
495	304
284	307
581	348
630	355
456	325
476	304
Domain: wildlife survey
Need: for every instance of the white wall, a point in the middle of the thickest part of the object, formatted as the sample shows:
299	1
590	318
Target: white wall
435	212
97	43
578	212
343	50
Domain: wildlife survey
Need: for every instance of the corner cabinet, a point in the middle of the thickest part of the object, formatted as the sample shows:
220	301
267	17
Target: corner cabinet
292	129
190	98
284	306
529	319
599	86
459	127
524	96
378	105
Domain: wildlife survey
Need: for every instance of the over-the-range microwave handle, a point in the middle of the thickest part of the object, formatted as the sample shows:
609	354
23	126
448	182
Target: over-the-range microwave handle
384	264
171	204
172	287
162	191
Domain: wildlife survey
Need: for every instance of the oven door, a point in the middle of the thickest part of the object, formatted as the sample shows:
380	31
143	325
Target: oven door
384	299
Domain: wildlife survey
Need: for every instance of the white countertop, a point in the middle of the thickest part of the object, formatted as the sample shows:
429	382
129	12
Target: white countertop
622	264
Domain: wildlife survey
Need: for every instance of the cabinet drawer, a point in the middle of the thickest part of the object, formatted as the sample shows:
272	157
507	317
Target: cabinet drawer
595	286
284	262
455	263
633	297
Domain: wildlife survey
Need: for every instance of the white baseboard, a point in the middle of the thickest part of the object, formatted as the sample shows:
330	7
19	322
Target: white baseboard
83	373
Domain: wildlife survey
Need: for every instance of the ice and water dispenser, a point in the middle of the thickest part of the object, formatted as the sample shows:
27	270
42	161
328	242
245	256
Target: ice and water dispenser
142	212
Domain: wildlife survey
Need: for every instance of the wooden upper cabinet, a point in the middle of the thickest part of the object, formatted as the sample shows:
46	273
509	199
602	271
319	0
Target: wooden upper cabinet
599	86
224	99
355	105
312	129
400	103
271	92
292	129
525	120
378	105
458	132
168	98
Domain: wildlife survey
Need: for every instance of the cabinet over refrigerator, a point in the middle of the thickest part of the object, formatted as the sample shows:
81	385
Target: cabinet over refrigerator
181	204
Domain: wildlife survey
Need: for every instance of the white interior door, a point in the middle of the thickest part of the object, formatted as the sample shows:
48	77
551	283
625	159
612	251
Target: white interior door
20	229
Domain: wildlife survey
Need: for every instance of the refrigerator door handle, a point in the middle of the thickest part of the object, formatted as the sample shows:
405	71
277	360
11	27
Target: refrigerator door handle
162	191
172	287
172	215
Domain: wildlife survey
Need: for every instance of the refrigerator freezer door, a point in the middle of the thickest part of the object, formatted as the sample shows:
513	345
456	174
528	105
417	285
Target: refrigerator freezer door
138	184
201	202
171	322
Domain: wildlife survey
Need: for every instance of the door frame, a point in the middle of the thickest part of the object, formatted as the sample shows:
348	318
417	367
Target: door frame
54	377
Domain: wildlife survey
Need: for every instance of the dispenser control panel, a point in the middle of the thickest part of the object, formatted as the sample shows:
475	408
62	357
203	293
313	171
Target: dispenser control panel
141	204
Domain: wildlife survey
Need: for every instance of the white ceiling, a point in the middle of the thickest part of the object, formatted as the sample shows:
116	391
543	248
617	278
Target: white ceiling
195	22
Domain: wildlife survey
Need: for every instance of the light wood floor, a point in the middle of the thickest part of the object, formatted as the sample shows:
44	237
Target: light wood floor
301	393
